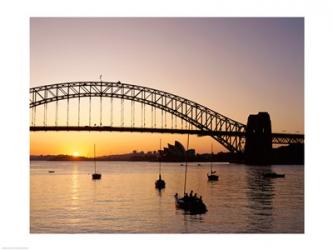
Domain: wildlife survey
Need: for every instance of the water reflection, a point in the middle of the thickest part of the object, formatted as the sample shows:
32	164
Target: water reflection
74	189
159	192
126	201
194	217
260	194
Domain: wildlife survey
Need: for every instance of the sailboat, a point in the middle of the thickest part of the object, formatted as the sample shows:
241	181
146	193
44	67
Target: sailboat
190	203
95	176
160	184
212	176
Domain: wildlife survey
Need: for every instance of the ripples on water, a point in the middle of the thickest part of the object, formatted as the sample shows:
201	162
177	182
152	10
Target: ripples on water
126	201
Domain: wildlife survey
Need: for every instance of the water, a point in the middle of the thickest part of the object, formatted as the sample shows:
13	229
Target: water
125	199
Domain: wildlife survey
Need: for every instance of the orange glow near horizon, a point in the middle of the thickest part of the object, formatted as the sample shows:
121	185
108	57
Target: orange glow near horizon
234	66
53	143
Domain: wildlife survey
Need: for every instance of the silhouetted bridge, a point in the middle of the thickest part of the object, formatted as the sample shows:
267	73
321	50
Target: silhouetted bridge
176	114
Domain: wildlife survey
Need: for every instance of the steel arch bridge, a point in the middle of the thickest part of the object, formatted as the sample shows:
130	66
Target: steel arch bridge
228	132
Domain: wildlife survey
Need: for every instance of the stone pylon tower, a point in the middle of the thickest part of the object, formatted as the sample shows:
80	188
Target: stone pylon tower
258	146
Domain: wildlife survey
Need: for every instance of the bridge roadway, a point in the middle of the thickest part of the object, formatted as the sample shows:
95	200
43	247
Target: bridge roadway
277	138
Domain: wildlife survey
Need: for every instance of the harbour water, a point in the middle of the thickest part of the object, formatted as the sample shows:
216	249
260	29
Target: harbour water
125	199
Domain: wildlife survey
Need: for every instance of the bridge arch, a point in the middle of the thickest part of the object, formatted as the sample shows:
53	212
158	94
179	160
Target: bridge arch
196	114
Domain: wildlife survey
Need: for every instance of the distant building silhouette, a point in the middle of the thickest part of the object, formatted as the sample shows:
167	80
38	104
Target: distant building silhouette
177	153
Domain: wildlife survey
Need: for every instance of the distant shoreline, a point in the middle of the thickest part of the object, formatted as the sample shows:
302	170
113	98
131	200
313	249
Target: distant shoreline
103	158
179	162
287	155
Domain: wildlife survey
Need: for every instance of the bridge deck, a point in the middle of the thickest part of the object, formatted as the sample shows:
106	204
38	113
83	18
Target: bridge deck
277	138
133	129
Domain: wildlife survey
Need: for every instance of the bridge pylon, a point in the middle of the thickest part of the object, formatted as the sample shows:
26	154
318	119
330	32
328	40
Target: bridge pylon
258	146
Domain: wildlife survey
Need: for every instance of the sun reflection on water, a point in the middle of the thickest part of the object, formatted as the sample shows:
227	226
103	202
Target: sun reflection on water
75	195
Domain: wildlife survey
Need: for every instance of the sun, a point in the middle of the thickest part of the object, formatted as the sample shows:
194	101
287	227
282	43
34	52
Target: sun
76	154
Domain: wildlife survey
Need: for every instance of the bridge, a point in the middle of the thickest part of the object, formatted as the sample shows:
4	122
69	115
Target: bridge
146	109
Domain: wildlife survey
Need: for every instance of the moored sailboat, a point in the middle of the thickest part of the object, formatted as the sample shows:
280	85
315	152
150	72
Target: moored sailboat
190	203
212	175
160	183
95	175
274	175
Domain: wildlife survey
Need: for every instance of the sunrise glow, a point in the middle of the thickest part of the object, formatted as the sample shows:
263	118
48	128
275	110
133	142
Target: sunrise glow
76	154
215	70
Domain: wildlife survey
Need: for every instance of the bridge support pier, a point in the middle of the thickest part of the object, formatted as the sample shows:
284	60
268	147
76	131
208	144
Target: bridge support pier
258	145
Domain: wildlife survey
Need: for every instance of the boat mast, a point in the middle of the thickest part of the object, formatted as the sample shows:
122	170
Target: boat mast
211	158
159	171
188	139
95	157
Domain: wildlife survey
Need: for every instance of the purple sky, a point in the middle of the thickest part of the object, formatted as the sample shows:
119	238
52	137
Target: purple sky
235	66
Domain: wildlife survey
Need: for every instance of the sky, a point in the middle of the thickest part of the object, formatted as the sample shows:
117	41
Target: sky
235	66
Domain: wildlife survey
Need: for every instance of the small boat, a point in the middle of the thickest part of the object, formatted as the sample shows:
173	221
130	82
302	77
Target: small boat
95	176
274	175
190	203
160	183
51	171
212	176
